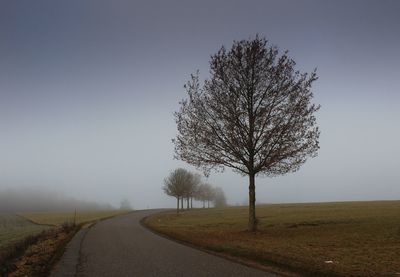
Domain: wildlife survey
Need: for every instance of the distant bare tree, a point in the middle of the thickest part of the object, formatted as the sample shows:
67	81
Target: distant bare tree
205	193
200	194
209	194
188	190
253	115
192	187
219	198
125	205
176	185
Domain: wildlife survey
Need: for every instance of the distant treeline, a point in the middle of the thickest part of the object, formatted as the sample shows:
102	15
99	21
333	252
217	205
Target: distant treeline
12	200
183	184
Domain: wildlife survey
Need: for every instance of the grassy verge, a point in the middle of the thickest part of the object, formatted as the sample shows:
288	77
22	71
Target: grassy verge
14	228
58	218
325	239
33	242
35	255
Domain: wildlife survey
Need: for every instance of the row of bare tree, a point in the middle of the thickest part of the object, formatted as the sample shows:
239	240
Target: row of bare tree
185	185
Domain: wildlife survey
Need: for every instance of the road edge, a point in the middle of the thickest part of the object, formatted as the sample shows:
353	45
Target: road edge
70	261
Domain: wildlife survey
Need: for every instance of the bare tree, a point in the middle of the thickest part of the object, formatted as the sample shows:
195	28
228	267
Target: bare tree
194	183
205	193
125	205
188	190
201	193
254	114
208	194
176	185
219	198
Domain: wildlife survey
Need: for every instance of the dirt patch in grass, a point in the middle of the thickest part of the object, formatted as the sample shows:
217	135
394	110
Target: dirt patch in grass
322	239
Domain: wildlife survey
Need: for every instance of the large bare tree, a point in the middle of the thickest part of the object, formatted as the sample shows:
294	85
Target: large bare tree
254	114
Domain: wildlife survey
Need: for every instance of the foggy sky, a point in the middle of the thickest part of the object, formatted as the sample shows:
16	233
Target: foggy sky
88	89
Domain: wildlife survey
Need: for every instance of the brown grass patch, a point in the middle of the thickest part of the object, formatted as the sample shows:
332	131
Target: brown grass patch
325	239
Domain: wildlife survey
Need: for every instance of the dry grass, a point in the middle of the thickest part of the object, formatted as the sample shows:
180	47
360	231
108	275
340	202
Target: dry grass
58	218
360	238
14	228
38	257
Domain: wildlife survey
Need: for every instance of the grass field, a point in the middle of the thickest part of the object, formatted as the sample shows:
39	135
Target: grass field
58	218
14	227
338	239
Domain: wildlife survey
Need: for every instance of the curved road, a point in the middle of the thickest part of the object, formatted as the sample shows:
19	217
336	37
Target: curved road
121	246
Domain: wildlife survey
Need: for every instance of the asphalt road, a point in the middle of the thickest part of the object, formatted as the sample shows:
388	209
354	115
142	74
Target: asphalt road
121	246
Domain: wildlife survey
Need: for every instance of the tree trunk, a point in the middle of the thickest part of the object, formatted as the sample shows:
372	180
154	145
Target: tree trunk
177	205
187	202
252	203
191	202
182	203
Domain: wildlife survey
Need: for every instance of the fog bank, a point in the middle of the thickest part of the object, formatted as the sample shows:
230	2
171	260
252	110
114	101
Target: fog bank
28	200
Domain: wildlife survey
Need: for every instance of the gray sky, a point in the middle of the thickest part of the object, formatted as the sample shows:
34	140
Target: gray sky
88	88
